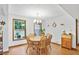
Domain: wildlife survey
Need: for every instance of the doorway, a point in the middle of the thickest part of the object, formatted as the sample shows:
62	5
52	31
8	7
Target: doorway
77	27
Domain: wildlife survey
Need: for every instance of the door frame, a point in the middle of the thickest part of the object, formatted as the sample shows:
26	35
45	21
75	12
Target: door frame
77	32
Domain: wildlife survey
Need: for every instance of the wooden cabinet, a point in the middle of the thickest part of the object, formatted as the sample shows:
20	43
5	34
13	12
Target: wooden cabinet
66	41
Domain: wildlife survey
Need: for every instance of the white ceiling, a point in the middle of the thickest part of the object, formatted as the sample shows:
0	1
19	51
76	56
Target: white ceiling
72	9
44	10
3	9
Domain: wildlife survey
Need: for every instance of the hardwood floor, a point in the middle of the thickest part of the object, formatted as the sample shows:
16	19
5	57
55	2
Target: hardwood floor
56	50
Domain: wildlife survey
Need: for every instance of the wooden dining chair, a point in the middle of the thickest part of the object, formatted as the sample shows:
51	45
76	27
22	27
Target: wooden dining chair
29	44
49	37
43	46
36	46
42	34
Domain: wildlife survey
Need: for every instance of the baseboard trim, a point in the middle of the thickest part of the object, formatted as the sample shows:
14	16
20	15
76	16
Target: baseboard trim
18	45
56	43
5	51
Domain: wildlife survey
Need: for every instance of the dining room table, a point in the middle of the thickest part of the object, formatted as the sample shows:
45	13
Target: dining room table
35	40
36	44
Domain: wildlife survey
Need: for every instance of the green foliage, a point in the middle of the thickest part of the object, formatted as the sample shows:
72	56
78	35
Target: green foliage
42	29
19	24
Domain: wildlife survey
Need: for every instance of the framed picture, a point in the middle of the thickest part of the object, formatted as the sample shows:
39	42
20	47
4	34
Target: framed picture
19	29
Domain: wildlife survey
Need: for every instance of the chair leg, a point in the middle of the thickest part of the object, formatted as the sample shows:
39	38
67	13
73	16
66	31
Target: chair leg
40	51
50	47
27	50
46	50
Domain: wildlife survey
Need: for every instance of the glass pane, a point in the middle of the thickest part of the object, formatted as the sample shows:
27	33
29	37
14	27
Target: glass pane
37	29
19	29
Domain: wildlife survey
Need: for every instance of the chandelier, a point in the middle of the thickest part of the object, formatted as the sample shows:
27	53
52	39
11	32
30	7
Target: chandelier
37	20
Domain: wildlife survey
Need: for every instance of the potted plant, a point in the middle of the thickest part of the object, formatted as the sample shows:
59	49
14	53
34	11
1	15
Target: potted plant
42	30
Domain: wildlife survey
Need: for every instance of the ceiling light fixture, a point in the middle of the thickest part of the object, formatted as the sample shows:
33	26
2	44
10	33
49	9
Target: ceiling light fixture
37	19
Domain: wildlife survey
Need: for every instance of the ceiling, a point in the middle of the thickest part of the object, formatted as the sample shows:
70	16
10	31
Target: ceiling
72	9
44	10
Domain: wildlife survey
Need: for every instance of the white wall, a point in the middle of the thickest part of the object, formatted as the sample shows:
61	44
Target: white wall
10	32
78	31
4	15
72	26
29	29
57	31
73	10
69	27
5	36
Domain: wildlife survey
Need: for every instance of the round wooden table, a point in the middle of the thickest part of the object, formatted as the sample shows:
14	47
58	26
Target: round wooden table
36	41
35	38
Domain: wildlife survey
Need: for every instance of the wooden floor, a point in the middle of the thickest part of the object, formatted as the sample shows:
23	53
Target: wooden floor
56	50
